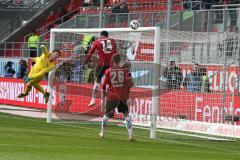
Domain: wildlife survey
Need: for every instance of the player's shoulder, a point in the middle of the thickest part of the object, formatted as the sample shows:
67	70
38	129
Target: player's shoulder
97	41
108	71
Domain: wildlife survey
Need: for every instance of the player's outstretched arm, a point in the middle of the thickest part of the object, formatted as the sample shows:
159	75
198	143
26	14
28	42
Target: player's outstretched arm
44	50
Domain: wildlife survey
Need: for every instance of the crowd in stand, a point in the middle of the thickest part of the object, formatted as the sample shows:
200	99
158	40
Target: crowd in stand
207	4
194	81
11	73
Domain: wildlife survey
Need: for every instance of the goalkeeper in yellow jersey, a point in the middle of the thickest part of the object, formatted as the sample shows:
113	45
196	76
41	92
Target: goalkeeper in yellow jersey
43	64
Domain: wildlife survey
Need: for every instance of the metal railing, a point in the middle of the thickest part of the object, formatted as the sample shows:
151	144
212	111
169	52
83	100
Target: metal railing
214	20
19	4
45	29
17	22
193	5
17	49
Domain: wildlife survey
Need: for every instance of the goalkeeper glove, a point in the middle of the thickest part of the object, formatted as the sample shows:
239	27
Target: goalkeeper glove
27	79
42	46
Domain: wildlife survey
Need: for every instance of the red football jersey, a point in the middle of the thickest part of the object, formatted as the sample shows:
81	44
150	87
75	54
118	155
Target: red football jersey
106	48
119	83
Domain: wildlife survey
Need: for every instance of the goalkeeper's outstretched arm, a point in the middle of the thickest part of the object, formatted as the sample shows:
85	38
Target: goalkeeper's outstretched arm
44	50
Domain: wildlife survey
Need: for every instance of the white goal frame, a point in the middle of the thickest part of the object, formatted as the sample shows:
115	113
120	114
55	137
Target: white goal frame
155	97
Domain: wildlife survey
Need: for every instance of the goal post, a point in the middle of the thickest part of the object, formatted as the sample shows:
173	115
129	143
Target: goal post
144	35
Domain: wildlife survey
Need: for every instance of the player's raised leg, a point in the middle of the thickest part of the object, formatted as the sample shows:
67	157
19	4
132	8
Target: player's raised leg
99	73
38	87
26	91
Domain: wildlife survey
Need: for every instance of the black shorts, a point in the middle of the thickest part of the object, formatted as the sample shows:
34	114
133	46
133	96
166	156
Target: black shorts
33	52
121	105
99	72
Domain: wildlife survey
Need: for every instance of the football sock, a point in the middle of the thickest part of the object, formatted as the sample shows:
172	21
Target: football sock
129	125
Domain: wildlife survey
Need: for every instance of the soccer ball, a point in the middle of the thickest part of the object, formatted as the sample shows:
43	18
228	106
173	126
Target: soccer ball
134	24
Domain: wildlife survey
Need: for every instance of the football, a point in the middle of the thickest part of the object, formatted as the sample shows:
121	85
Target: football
134	24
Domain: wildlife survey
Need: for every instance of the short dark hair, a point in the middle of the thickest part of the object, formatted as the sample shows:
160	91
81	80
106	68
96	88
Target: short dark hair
34	31
104	33
116	58
56	50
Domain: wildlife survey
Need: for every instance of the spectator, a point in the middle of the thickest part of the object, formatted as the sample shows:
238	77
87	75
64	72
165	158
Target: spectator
123	9
33	43
205	84
113	16
232	41
50	18
87	42
187	4
233	12
116	9
57	15
173	75
17	2
96	2
86	3
9	71
22	70
192	81
218	12
88	73
208	3
70	8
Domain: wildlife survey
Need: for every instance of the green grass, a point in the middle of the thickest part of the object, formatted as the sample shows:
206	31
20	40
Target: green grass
33	139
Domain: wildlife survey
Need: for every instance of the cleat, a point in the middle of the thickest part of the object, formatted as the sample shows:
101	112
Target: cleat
101	135
21	95
92	103
46	96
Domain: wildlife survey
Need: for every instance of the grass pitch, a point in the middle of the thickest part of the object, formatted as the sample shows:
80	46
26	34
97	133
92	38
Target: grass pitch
33	139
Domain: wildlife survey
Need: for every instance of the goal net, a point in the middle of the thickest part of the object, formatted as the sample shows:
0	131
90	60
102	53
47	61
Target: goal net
165	98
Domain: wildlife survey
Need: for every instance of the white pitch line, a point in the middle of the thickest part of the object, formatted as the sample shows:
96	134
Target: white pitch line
159	139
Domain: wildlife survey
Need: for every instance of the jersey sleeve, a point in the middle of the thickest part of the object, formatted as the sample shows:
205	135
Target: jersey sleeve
106	79
90	53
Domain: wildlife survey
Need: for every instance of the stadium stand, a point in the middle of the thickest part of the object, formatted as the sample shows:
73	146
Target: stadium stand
75	8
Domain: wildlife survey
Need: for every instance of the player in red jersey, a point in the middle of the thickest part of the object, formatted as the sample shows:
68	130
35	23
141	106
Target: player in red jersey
106	48
119	83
